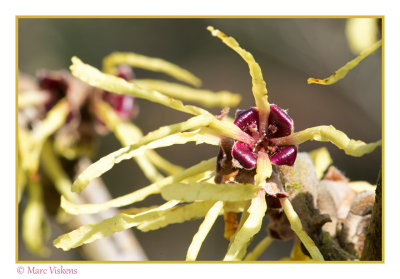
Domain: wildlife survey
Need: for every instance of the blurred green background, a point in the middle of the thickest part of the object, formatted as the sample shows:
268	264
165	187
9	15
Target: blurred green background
289	50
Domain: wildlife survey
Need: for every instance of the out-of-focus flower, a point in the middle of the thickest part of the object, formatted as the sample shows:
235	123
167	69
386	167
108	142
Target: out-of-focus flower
122	104
59	121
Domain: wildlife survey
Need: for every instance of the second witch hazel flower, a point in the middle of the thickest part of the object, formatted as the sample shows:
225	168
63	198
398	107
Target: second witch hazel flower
59	121
245	180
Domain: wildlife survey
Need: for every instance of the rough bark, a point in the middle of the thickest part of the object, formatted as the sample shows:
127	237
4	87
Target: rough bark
373	243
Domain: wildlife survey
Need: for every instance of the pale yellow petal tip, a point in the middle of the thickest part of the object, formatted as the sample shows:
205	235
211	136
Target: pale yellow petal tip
361	186
361	33
89	233
66	205
342	72
317	81
78	186
216	32
321	160
356	148
212	30
75	60
57	244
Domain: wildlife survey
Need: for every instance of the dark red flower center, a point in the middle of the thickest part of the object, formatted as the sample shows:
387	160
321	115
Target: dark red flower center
279	125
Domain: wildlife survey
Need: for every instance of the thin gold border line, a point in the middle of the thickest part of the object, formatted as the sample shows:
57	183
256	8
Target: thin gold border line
200	262
207	16
16	141
383	139
199	16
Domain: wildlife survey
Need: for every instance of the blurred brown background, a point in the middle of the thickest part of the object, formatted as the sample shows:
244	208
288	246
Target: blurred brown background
289	50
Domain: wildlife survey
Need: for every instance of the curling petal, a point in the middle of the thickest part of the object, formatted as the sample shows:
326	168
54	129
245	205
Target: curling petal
356	148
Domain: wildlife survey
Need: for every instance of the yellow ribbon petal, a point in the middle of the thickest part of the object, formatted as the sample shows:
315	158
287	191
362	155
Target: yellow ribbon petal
356	148
361	186
209	191
204	97
342	72
30	143
259	249
155	139
259	89
297	227
204	228
191	174
149	63
177	214
33	220
118	85
321	160
264	168
252	225
89	233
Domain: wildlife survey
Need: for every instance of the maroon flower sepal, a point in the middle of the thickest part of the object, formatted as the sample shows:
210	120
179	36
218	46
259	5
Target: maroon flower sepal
123	105
55	85
279	125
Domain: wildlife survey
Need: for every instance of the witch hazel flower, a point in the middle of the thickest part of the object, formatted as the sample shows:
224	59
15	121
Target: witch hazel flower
54	85
259	138
59	85
279	125
243	156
